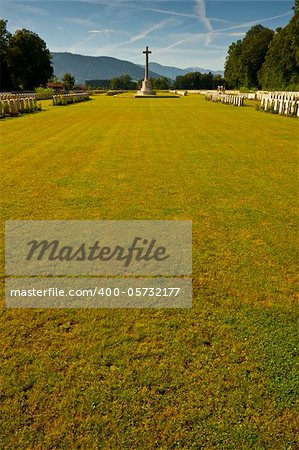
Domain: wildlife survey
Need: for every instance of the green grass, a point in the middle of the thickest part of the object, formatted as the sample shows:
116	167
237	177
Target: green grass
222	375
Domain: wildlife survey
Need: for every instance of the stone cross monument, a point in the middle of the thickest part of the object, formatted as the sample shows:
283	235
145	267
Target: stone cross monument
146	84
146	52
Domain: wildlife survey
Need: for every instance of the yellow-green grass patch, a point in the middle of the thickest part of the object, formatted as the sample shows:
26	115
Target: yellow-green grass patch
222	375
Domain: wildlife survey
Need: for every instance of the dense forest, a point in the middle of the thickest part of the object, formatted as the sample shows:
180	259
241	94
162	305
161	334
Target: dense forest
266	59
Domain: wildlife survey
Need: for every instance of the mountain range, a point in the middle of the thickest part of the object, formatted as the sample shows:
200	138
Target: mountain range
173	72
105	67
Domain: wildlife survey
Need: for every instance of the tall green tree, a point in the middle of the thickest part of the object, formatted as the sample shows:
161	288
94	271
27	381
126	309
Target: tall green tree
233	65
123	82
68	80
29	60
245	58
281	67
5	74
254	50
161	83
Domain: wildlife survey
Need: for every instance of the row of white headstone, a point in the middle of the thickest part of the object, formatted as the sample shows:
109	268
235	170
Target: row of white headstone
182	93
16	106
280	106
248	95
236	100
10	96
66	99
277	95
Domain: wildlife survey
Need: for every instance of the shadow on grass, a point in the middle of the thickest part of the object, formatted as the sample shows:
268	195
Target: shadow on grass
19	116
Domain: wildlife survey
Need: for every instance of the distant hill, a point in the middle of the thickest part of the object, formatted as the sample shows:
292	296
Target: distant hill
173	72
105	67
200	69
95	67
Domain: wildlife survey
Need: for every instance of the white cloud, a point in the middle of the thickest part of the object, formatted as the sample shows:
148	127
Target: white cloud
79	21
197	37
107	30
201	11
234	34
26	9
137	37
171	13
216	19
145	33
81	45
254	22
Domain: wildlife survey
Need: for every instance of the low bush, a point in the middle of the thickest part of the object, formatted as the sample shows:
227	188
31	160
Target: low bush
43	93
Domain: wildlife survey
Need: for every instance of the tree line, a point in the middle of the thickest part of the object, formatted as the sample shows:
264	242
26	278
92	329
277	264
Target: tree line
266	59
192	80
197	80
126	82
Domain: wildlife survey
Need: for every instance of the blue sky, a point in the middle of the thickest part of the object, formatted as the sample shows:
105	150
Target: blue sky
180	33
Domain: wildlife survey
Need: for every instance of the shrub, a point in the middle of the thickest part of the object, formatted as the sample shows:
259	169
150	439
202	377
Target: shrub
43	93
245	90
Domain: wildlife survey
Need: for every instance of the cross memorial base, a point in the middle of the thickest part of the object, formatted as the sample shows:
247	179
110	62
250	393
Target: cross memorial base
146	89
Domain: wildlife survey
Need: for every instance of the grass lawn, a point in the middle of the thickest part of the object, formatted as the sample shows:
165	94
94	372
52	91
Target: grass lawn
222	375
